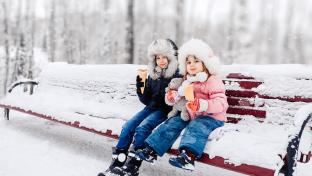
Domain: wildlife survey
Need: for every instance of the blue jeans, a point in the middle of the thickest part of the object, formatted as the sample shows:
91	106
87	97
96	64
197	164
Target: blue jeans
140	127
194	138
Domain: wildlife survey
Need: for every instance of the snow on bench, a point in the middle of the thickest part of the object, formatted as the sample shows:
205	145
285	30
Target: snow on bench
263	102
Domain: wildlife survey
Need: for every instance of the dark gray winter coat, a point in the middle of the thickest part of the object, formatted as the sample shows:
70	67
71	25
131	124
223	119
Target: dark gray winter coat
154	93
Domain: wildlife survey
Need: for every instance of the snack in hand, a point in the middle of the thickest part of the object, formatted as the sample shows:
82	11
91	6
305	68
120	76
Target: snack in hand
189	93
143	75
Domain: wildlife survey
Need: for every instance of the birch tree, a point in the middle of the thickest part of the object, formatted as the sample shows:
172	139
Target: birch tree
243	33
30	74
179	18
230	48
273	38
106	49
155	18
208	16
287	49
6	45
52	33
130	32
300	39
17	28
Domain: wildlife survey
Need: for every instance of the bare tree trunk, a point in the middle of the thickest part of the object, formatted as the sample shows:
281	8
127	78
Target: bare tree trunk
17	24
179	21
209	13
261	32
15	62
155	19
21	56
17	35
130	32
106	49
272	38
231	34
67	35
22	59
299	45
243	33
82	41
6	46
106	4
52	33
32	44
288	52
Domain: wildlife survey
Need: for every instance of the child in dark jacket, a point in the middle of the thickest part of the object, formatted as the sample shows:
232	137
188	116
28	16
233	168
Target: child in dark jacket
162	67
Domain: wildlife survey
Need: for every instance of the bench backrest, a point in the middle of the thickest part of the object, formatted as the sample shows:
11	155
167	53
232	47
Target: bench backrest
246	99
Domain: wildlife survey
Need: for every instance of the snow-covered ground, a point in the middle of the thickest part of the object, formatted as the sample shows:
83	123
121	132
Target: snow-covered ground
34	147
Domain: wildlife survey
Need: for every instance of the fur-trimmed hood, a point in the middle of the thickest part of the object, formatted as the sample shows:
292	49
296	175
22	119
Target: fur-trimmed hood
202	51
165	47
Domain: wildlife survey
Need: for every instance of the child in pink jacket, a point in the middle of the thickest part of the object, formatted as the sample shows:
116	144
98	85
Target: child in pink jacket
207	112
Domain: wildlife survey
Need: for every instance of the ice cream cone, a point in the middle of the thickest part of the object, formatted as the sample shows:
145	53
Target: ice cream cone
189	93
143	75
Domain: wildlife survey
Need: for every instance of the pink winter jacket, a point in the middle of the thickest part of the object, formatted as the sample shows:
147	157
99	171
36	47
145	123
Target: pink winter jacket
213	91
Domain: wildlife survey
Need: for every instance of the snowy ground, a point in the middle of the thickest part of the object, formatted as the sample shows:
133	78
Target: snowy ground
32	146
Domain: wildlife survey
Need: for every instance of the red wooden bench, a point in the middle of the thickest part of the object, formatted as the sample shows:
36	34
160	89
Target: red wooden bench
251	109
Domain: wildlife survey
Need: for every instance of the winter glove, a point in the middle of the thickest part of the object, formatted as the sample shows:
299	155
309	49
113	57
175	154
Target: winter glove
139	84
198	105
193	106
172	97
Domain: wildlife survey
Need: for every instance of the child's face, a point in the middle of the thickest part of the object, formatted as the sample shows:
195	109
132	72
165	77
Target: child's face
161	61
194	65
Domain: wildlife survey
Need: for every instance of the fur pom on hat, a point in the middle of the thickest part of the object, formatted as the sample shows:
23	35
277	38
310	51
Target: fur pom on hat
200	50
167	48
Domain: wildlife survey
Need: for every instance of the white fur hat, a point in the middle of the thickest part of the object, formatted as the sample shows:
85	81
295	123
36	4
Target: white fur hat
165	47
202	51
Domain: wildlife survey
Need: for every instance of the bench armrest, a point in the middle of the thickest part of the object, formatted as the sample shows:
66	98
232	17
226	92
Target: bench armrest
30	82
293	149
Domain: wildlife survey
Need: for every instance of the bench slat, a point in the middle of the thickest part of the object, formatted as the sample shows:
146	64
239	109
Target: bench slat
241	111
238	76
243	102
244	84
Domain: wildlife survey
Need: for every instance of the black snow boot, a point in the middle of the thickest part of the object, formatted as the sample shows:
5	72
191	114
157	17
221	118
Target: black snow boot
131	167
147	154
119	158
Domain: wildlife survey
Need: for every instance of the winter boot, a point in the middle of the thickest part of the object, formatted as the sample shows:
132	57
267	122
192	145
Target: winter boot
131	167
184	160
147	154
119	158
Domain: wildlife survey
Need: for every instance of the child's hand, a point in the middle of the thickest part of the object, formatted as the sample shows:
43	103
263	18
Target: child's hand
172	96
198	105
139	82
193	105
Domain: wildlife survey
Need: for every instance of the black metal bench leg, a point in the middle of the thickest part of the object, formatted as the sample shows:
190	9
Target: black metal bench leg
6	113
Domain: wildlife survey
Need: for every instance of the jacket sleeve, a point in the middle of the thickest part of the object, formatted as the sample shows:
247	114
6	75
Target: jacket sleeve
146	96
217	101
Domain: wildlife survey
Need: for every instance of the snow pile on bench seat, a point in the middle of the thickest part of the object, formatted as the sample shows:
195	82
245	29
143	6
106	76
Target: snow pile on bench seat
102	97
75	93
